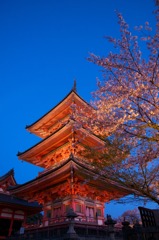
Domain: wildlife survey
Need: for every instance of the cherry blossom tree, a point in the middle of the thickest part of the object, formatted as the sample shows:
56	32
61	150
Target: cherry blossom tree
132	216
157	2
126	110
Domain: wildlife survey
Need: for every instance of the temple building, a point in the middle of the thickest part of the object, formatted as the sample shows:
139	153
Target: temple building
13	210
68	181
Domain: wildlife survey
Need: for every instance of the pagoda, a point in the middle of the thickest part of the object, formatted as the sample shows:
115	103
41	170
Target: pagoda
68	181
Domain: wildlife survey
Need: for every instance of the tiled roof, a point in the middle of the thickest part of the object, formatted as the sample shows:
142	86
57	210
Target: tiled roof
72	91
9	173
4	198
81	166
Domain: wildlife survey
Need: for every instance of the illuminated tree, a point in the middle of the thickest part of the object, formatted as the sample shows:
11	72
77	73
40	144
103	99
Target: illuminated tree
126	111
157	2
132	216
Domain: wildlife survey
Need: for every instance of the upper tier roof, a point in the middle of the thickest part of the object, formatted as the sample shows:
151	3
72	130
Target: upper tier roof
57	116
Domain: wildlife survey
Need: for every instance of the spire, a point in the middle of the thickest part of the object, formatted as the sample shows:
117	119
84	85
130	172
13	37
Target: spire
74	86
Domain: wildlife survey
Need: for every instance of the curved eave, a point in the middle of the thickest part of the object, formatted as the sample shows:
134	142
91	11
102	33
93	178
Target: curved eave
44	177
56	140
47	144
51	178
54	112
95	179
9	174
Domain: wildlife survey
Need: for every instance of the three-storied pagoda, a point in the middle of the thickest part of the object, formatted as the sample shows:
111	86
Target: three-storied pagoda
68	180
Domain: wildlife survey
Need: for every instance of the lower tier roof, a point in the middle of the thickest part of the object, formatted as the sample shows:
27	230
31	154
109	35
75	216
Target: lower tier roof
71	177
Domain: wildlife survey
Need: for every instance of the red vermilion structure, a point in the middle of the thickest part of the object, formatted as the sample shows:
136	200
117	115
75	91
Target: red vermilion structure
13	210
68	180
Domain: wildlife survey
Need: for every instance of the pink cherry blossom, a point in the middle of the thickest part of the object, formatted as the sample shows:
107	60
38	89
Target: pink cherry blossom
125	111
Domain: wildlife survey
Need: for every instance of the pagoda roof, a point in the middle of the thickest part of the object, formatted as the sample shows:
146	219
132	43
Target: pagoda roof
50	121
57	176
7	180
62	136
10	173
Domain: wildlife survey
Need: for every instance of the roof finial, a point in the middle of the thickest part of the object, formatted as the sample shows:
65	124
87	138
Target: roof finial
74	86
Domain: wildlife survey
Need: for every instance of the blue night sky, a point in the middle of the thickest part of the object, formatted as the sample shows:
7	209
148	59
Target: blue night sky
44	46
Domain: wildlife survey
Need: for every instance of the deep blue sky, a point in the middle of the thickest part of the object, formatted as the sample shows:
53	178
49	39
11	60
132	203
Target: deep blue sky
44	46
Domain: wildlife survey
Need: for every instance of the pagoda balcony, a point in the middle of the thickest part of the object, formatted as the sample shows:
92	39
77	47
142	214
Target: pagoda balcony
63	219
89	220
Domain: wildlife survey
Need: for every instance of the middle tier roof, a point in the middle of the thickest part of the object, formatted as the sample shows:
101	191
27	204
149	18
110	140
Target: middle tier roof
59	145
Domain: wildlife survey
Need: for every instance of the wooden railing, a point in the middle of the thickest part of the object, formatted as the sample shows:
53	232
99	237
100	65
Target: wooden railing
59	232
52	221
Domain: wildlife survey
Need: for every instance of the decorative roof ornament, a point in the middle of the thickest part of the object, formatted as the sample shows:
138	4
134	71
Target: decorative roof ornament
74	86
71	155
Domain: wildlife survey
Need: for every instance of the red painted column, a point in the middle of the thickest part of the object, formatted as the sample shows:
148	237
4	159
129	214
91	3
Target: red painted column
73	203
84	210
11	225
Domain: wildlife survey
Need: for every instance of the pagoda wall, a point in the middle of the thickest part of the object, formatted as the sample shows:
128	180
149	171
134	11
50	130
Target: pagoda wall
88	210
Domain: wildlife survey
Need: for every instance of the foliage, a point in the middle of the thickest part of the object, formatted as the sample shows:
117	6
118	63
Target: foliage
126	111
34	219
132	216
